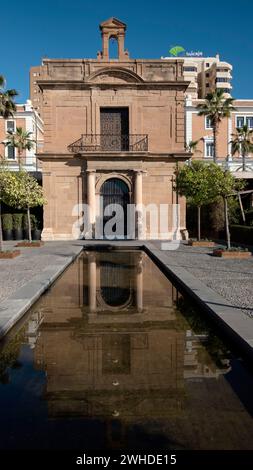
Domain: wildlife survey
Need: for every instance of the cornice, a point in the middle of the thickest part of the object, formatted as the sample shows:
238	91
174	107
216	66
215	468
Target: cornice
116	156
72	84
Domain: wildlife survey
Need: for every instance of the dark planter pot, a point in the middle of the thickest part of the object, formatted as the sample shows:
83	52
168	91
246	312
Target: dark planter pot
18	234
25	234
36	234
7	234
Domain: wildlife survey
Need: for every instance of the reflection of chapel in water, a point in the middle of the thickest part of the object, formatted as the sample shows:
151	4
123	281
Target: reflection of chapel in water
112	342
111	338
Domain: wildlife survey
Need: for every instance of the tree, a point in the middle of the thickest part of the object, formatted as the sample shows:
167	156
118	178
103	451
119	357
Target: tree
21	140
217	216
7	105
191	147
4	179
23	191
194	183
1	230
242	143
216	107
7	108
224	185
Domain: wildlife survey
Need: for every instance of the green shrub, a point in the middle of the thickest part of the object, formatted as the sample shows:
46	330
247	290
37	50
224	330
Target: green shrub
242	234
33	221
25	221
7	221
249	216
236	248
217	216
17	221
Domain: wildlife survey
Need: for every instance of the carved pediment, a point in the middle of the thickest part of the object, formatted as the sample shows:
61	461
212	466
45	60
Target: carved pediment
115	75
112	22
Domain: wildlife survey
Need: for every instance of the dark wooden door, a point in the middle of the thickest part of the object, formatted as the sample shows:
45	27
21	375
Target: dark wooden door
115	191
114	129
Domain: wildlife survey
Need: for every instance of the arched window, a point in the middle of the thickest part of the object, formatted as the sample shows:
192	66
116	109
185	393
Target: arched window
113	47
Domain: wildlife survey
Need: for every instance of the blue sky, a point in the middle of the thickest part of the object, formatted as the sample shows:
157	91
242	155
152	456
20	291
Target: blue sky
62	29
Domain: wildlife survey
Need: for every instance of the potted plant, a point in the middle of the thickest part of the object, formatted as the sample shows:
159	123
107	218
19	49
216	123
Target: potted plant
36	232
17	226
34	224
7	226
194	181
228	186
25	227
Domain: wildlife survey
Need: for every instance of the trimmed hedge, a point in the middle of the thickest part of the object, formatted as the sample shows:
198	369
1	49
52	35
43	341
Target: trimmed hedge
249	216
17	220
242	234
7	221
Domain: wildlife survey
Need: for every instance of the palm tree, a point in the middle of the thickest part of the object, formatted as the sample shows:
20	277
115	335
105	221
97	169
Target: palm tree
7	108
216	107
7	105
191	147
21	140
242	143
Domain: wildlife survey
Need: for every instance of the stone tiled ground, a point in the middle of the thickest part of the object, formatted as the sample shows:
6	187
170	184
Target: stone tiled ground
16	273
232	279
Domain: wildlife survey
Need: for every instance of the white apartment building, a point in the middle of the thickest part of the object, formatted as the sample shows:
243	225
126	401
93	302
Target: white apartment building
205	74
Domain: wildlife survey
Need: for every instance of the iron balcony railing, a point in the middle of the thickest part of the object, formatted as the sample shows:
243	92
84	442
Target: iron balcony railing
110	142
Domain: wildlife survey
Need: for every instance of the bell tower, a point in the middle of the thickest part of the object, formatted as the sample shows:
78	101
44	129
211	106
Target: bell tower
113	29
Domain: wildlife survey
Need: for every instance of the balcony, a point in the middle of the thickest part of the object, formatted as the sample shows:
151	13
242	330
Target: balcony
110	143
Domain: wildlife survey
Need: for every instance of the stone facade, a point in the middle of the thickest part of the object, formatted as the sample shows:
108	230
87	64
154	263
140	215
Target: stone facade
72	93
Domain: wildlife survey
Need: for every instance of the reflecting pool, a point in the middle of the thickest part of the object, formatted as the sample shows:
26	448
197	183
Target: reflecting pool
113	357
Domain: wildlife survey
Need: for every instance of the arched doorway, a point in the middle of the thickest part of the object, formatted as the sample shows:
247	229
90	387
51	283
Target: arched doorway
115	284
115	191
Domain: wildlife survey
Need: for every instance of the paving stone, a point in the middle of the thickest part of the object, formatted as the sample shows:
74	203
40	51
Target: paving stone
25	278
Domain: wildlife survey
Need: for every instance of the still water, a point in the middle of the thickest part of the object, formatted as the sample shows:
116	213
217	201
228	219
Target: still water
112	356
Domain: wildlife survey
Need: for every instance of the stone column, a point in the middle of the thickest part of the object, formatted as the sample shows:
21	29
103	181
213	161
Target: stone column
121	51
91	200
105	45
92	279
138	202
139	283
48	209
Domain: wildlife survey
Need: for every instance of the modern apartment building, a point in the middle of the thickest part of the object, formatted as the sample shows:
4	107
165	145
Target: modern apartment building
206	74
27	118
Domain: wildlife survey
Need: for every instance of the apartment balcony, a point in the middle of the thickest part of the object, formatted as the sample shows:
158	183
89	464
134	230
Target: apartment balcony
31	164
223	85
235	165
110	143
